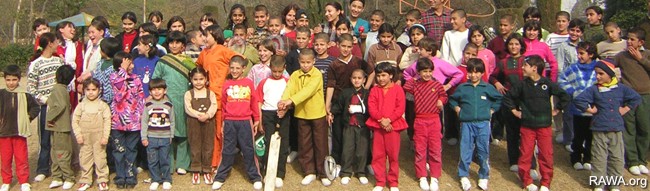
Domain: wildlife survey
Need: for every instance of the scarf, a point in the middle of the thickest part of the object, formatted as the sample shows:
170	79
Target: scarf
178	65
608	86
23	116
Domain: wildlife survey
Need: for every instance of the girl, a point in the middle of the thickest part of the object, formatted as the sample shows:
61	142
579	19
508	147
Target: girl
343	27
386	50
206	20
150	29
128	38
416	33
477	37
71	51
103	19
532	31
176	23
576	79
360	25
145	63
127	104
237	16
333	13
386	107
93	51
289	21
594	32
91	124
262	70
200	106
240	106
156	17
40	80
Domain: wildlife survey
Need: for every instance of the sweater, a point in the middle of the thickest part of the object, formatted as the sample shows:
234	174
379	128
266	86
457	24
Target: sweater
270	92
191	112
535	47
566	55
443	72
380	53
408	58
508	72
58	109
335	52
607	101
128	101
306	93
340	71
489	60
553	40
157	120
426	95
127	41
143	67
102	73
475	102
452	46
594	33
533	99
498	47
86	112
41	77
371	38
635	74
609	49
341	106
9	112
576	79
324	66
262	71
387	102
239	101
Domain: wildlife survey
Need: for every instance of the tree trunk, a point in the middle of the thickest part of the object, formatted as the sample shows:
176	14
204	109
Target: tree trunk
548	9
15	27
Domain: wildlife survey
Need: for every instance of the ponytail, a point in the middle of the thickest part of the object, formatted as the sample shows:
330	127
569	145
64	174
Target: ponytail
43	42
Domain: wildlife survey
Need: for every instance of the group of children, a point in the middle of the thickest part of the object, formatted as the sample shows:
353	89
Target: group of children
174	100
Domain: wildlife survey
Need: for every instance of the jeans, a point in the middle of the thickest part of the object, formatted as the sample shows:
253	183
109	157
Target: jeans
474	136
124	154
159	159
44	158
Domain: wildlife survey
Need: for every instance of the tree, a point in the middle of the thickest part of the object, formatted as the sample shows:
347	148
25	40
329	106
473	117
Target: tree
548	9
626	13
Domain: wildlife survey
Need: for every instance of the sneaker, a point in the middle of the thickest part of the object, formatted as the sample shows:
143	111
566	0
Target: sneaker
587	166
181	171
483	184
83	187
103	186
326	182
4	187
452	141
279	182
67	185
196	178
568	148
424	185
167	186
543	188
257	185
433	185
378	188
207	178
535	175
139	170
514	168
465	184
55	184
370	170
578	166
345	180
495	142
217	185
634	170
363	180
531	187
394	189
25	187
154	186
39	178
292	156
148	180
643	169
559	138
308	179
600	189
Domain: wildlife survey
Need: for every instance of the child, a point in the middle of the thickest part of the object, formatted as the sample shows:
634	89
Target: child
312	125
566	53
454	40
535	47
413	17
58	123
266	50
497	45
635	75
359	24
270	92
93	51
156	18
127	104
91	124
237	16
17	110
386	107
475	102
594	31
614	44
445	72
452	123
239	45
561	34
145	62
240	110
344	27
530	102
150	29
470	51
41	78
157	134
260	32
352	105
128	38
429	96
386	50
104	68
477	37
576	79
194	44
333	14
176	23
302	40
410	54
282	41
376	19
533	14
207	19
608	125
323	59
65	32
39	27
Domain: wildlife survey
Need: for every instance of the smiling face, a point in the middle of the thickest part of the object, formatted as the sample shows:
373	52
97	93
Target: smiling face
331	14
302	22
237	16
633	41
457	22
474	76
469	53
426	74
437	4
92	92
290	18
358	79
320	46
514	48
275	25
345	48
95	35
158	93
176	47
265	54
205	23
41	29
236	70
375	22
68	31
575	34
532	34
302	39
128	25
342	29
356	8
261	17
583	56
11	82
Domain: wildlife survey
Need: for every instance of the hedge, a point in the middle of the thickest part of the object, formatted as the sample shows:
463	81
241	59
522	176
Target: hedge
18	54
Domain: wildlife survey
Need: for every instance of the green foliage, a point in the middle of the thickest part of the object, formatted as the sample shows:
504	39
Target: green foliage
18	54
627	13
65	8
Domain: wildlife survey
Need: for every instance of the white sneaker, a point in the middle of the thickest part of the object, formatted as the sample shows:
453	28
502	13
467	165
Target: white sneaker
207	178
634	170
83	187
55	184
25	187
543	188
279	182
363	180
465	184
217	185
587	166
424	185
600	189
103	186
196	178
154	186
514	168
378	188
531	187
326	182
67	185
394	189
535	175
292	156
578	166
308	179
345	180
139	170
568	148
452	141
643	169
167	186
257	185
181	171
39	177
433	185
4	187
559	138
370	170
483	184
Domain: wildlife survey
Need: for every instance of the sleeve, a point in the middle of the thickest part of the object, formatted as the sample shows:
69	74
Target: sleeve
76	117
308	90
511	100
55	105
255	105
119	89
214	104
158	71
200	60
442	94
408	73
251	73
585	99
187	99
631	98
564	97
144	122
172	118
495	74
645	60
454	99
400	101
331	76
373	104
552	62
337	103
32	82
106	115
254	58
409	86
260	91
564	81
451	72
560	56
139	107
445	48
32	107
495	96
404	61
371	54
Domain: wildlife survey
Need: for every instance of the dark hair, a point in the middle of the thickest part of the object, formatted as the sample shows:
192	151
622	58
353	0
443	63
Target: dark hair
508	17
199	70
99	25
428	44
60	26
533	25
536	61
386	67
519	38
470	45
303	29
338	7
476	28
415	27
268	44
175	19
109	46
363	2
234	7
460	12
177	36
475	65
150	41
191	34
149	28
38	22
239	27
345	22
216	32
277	61
154	14
157	83
131	16
379	13
414	13
92	81
590	48
596	9
611	24
423	64
577	23
386	28
322	36
286	11
532	12
64	74
44	41
345	37
106	25
307	52
117	59
639	32
208	17
12	70
563	14
262	8
239	59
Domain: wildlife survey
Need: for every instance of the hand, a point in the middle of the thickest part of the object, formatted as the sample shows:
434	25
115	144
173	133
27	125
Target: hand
104	142
80	88
50	124
439	105
555	112
623	110
457	110
385	122
281	113
281	53
255	127
202	117
355	40
388	128
331	44
145	143
318	29
415	50
500	88
284	104
635	53
250	31
516	113
330	119
363	35
447	86
260	128
80	140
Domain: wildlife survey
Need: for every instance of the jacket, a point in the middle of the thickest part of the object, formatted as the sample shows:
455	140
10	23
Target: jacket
475	102
607	101
389	105
533	99
58	109
341	106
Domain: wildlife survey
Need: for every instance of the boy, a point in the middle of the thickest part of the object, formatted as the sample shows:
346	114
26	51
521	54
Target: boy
302	20
455	40
338	78
302	40
196	41
270	91
530	102
497	45
39	27
556	38
372	37
477	101
260	32
412	17
239	45
283	43
635	73
18	109
323	60
533	13
594	31
614	44
157	134
352	106
304	91
59	125
608	126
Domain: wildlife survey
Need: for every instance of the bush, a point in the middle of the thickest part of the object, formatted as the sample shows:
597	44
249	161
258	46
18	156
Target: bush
18	54
626	13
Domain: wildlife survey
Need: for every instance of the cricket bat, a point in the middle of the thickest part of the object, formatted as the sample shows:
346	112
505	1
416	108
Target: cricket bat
272	161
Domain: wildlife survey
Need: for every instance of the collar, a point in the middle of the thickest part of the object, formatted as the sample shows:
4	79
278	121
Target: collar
346	61
388	86
310	73
391	46
445	11
469	83
568	40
